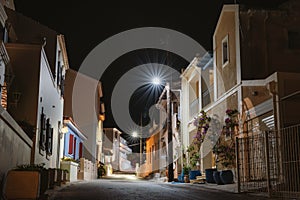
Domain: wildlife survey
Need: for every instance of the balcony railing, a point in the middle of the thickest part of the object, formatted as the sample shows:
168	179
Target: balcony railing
207	96
194	106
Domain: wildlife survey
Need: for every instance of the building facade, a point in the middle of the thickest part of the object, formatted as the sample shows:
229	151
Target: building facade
88	118
73	140
111	147
124	163
197	82
161	149
40	100
254	71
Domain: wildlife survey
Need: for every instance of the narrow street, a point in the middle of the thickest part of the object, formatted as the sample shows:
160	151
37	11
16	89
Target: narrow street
128	188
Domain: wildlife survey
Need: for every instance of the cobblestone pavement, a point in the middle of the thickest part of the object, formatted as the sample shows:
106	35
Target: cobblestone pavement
129	188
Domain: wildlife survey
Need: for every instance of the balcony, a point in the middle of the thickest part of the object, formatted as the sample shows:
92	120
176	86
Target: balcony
207	96
194	108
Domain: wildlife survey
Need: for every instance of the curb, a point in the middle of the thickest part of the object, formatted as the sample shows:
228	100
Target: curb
51	193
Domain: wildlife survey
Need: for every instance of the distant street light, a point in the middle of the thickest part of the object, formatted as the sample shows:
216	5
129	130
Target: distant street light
136	135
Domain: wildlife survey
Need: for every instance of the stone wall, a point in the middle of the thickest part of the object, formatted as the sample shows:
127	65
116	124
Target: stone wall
87	170
15	145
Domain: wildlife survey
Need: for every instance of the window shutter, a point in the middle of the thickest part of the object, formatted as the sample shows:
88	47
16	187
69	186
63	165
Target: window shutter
51	142
80	150
75	142
48	136
71	143
43	131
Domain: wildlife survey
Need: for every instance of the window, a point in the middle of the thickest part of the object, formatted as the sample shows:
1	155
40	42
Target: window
5	35
197	89
59	71
150	154
225	51
71	143
294	40
62	86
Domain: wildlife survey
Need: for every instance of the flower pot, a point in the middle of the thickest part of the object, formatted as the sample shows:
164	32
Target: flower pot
186	178
51	172
209	175
59	177
226	176
217	178
65	176
22	185
44	183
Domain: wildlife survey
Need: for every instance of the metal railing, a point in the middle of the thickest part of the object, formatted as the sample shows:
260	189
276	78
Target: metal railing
194	107
269	162
207	96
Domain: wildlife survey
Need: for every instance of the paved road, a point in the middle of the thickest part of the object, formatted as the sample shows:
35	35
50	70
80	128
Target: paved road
130	188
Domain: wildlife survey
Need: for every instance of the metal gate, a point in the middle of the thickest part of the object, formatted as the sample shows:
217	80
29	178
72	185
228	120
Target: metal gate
269	163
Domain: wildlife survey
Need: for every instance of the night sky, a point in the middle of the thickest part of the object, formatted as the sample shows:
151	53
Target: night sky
85	25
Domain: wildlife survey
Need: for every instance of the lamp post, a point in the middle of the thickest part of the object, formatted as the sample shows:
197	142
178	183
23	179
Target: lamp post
170	135
135	134
156	81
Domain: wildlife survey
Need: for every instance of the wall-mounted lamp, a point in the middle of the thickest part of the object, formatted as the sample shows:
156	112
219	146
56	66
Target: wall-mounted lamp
64	129
15	98
254	93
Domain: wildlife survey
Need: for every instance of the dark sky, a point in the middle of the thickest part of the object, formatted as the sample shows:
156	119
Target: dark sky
87	24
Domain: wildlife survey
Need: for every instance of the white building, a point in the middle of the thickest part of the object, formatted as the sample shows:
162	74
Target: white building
124	163
88	118
41	100
197	93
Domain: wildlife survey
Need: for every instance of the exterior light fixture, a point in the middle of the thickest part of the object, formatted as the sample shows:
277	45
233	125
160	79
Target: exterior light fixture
64	129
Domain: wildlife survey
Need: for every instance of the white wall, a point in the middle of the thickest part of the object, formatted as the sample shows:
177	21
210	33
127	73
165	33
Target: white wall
52	102
15	145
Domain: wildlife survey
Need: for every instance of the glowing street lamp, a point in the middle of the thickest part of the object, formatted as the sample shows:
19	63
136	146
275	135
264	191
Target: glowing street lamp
156	81
136	135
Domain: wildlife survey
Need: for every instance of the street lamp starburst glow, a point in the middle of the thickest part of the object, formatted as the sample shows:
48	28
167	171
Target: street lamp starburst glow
156	81
135	134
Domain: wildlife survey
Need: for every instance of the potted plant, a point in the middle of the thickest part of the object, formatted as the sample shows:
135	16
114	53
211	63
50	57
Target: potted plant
65	175
186	170
209	175
224	149
28	181
71	166
201	122
101	170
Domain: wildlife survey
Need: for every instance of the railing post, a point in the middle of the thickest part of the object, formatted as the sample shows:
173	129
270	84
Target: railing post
267	162
237	164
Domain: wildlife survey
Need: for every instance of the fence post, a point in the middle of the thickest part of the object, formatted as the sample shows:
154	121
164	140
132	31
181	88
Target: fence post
237	164
267	156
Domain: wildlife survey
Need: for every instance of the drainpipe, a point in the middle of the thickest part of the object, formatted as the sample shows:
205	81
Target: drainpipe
170	136
266	43
273	88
